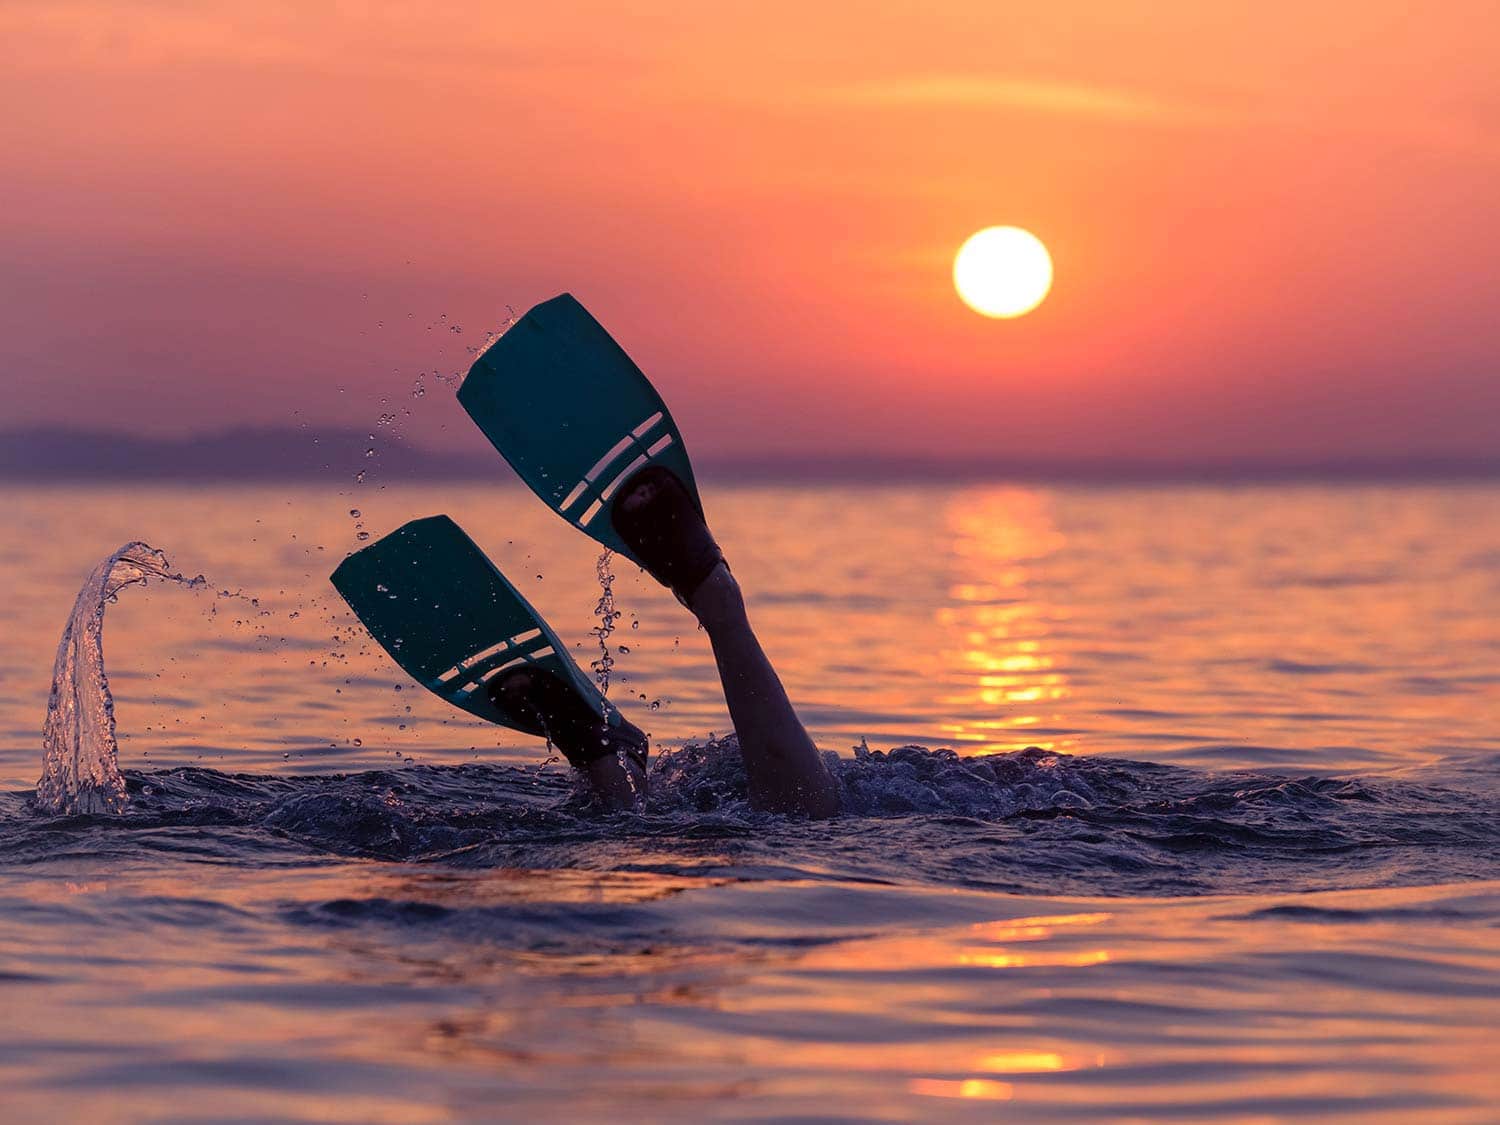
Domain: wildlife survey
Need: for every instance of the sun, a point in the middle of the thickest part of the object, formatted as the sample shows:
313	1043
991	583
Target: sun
1003	272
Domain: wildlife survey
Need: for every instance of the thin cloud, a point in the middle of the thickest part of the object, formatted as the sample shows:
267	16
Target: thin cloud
1435	130
978	91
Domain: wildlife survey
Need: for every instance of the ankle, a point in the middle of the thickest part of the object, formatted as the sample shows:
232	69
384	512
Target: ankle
618	783
717	599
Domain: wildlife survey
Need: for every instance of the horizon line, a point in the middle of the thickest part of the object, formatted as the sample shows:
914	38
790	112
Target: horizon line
54	452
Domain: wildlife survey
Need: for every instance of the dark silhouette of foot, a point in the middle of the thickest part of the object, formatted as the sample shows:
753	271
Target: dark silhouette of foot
554	711
659	520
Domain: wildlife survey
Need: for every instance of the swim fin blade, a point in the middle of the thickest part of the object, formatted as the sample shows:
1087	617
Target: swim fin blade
436	603
573	415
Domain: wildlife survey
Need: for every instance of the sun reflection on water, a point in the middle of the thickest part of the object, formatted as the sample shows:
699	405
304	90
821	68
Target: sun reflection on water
962	1088
1030	960
1006	656
1028	1062
1036	929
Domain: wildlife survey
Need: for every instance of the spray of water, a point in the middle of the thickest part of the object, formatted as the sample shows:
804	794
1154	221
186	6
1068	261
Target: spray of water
80	762
607	614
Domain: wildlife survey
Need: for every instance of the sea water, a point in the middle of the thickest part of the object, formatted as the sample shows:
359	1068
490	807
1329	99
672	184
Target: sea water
1164	803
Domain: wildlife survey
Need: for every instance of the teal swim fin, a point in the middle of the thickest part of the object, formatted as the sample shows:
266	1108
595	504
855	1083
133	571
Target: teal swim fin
452	621
573	415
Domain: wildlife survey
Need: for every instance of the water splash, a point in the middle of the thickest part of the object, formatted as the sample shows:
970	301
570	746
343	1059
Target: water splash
607	614
80	762
390	422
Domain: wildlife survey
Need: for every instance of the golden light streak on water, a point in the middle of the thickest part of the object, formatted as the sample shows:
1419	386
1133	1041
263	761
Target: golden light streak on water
1028	1062
986	1088
1035	929
998	536
1030	960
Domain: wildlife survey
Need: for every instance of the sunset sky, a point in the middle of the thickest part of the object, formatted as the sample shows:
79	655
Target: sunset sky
1275	225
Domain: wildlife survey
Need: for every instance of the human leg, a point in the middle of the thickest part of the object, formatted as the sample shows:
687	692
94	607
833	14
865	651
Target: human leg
785	771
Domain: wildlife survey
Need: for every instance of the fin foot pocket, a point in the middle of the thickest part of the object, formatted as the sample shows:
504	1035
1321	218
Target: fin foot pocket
543	705
664	526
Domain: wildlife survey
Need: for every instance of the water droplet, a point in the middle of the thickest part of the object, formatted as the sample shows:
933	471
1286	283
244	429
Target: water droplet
359	742
355	512
361	535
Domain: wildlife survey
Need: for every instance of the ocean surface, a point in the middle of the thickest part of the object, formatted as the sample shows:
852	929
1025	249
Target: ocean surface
1164	804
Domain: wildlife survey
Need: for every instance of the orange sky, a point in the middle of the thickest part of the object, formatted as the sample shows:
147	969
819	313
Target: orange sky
1274	225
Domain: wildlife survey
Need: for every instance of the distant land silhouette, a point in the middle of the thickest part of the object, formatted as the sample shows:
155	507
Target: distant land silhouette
247	453
275	454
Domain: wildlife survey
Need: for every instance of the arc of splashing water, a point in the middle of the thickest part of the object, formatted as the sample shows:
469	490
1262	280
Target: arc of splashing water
80	760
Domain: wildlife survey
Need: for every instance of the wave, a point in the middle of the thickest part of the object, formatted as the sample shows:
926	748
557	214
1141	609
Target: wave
1027	822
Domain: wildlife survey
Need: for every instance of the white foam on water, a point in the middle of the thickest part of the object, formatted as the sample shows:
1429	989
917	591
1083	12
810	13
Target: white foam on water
80	760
